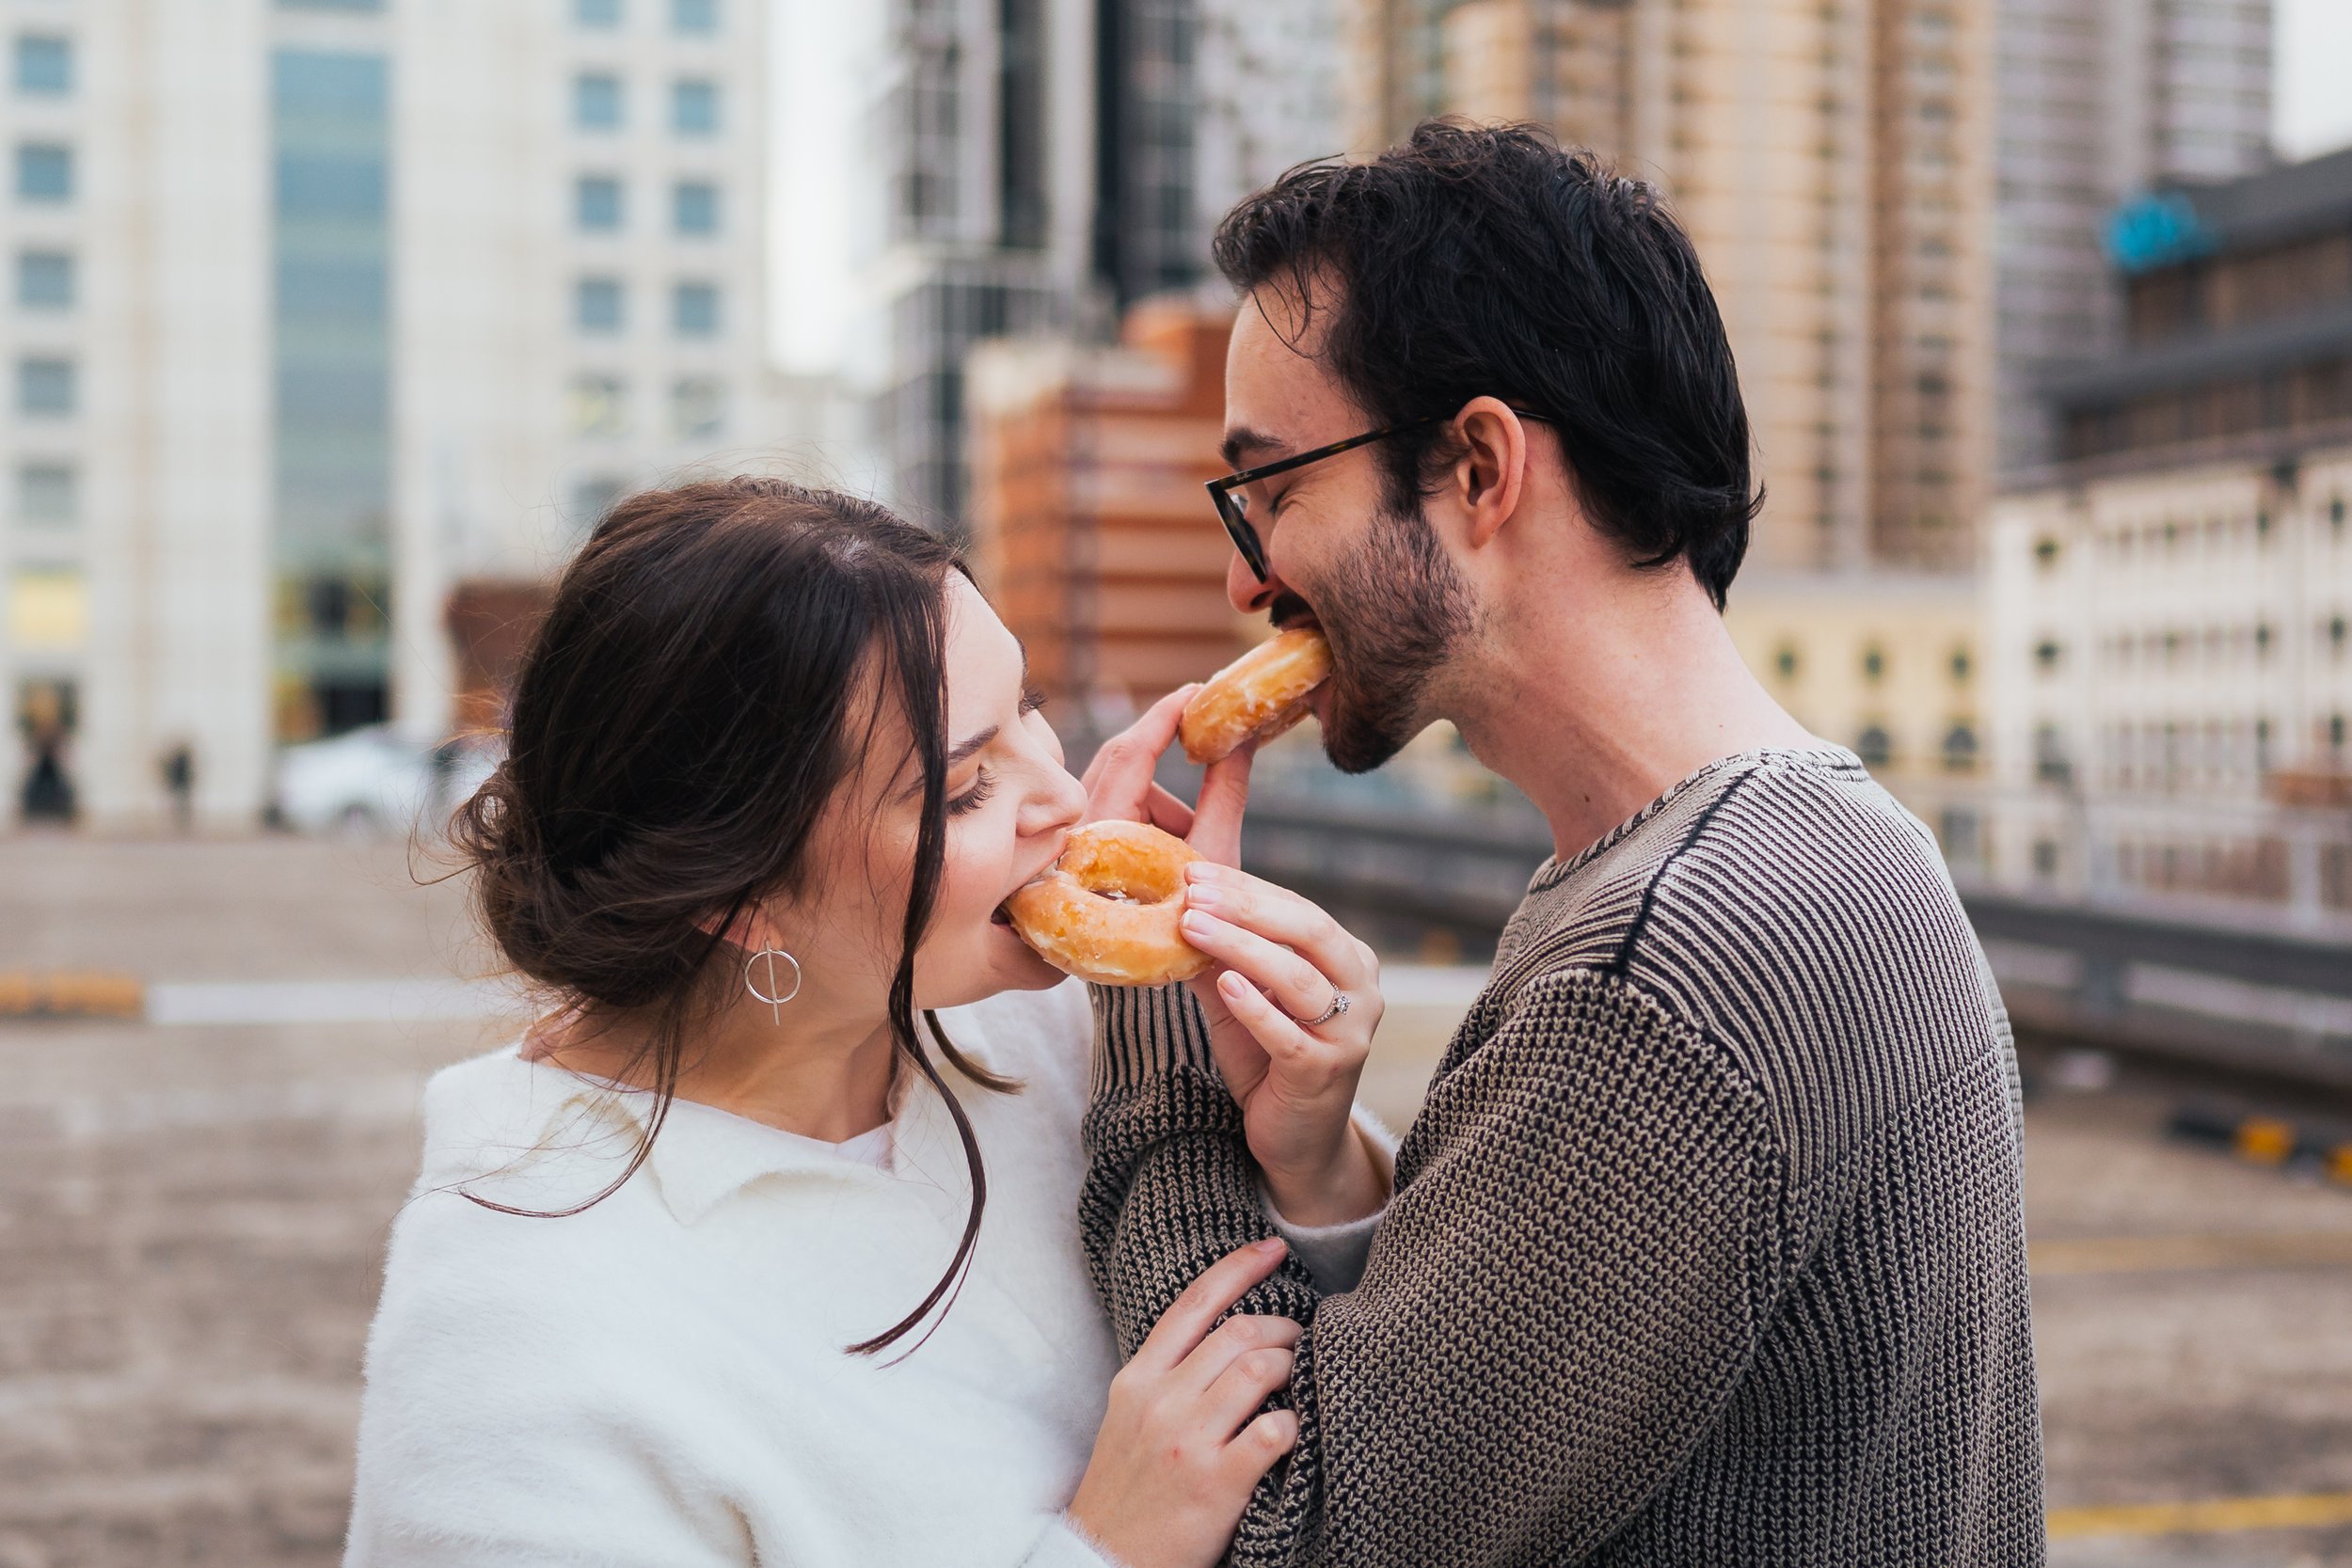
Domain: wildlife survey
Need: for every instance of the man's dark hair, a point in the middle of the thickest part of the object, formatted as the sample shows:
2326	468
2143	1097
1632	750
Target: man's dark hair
1477	260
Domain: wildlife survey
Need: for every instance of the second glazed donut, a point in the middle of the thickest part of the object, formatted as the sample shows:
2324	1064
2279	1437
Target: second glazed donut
1260	694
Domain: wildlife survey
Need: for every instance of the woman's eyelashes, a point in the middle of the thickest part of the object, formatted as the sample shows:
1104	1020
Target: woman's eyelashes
974	799
1031	701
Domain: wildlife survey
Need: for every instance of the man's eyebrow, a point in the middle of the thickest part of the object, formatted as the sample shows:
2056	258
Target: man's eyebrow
1241	441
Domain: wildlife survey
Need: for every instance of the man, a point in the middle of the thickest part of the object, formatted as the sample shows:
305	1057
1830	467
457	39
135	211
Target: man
1705	1248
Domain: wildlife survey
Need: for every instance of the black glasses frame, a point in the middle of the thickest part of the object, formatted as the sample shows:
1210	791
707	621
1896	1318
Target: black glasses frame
1243	533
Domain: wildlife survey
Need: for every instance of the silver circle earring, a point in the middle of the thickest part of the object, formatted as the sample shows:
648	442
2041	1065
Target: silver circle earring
774	996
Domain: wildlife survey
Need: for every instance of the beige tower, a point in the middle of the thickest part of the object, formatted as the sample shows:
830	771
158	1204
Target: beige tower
1832	160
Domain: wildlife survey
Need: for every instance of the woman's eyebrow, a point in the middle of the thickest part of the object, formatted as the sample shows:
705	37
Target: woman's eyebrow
964	751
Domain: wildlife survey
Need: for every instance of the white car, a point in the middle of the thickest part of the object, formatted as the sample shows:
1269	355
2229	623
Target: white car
372	783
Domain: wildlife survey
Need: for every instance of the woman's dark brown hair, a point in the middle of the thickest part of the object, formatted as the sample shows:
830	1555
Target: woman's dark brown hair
717	662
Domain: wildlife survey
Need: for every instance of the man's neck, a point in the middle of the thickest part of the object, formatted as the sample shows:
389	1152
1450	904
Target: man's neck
1593	713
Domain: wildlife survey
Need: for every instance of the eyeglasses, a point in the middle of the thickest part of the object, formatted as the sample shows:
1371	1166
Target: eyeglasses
1233	499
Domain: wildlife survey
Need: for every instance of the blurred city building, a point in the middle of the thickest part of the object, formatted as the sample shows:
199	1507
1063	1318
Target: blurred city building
321	308
1833	165
1040	165
2099	102
1884	663
1091	528
2169	671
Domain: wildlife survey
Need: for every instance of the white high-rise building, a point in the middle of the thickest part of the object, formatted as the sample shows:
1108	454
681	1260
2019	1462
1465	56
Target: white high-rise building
317	309
2102	101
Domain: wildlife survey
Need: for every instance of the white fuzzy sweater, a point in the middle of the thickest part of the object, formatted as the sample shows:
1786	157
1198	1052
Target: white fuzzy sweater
659	1382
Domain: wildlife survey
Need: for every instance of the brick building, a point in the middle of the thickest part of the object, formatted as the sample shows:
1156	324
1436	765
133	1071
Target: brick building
1090	530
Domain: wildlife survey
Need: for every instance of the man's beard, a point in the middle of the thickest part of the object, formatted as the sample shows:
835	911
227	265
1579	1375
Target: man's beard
1394	613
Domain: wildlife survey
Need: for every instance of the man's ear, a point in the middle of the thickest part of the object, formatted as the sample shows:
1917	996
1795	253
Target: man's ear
1491	473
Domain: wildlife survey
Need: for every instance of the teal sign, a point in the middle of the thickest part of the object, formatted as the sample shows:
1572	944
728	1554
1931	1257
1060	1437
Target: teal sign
2155	231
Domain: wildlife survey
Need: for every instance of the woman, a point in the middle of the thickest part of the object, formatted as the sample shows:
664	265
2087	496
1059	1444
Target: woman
725	1263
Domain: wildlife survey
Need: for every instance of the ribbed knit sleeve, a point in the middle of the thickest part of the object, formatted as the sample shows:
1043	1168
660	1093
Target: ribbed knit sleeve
1575	1270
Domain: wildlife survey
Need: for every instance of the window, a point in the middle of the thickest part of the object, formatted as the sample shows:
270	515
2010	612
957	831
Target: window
44	65
44	173
2045	552
1785	661
597	203
597	13
1962	664
694	107
2046	654
695	207
44	281
1960	748
1873	663
698	408
47	493
330	5
694	16
1875	747
46	387
695	311
600	406
2336	634
599	305
596	101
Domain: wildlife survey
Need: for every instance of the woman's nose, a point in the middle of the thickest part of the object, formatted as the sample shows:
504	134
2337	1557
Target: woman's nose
1061	802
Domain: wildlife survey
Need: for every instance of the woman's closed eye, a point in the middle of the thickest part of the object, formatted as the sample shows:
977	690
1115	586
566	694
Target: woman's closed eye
974	799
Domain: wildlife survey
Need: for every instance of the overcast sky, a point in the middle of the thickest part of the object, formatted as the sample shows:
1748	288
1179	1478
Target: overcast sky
816	116
2315	76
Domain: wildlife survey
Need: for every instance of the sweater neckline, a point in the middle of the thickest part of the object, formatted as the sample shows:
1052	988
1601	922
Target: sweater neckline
1824	757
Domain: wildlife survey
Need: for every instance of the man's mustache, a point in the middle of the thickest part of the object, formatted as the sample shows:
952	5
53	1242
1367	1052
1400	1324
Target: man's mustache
1288	610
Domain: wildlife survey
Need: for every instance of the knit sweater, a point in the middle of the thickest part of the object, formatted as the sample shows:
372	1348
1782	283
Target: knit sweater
1706	1248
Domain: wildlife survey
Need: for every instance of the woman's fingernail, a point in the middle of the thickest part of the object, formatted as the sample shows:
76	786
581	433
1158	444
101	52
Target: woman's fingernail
1231	984
1271	1244
1199	896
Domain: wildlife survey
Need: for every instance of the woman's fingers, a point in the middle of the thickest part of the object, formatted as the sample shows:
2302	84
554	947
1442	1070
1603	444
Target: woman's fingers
1243	1386
1119	781
1224	793
1169	813
1283	917
1188	1318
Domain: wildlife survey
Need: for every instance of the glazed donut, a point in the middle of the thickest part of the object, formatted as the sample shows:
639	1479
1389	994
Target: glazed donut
1259	695
1106	911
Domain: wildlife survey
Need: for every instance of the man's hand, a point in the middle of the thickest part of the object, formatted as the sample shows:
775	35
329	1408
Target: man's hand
1281	962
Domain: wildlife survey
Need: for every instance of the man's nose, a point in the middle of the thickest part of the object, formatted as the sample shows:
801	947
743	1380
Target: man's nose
1244	590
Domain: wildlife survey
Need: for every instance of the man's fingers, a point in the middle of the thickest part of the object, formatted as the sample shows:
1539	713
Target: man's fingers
1291	979
1280	916
1282	1036
1187	1319
1224	793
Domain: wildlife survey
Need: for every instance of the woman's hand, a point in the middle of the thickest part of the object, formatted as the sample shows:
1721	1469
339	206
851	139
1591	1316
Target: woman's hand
1184	1442
1282	960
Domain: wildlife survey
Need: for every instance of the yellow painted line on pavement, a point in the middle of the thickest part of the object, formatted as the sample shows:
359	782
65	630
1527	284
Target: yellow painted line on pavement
71	993
2169	1253
2216	1516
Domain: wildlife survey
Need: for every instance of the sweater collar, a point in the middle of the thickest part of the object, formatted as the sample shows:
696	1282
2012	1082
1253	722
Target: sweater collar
703	1156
